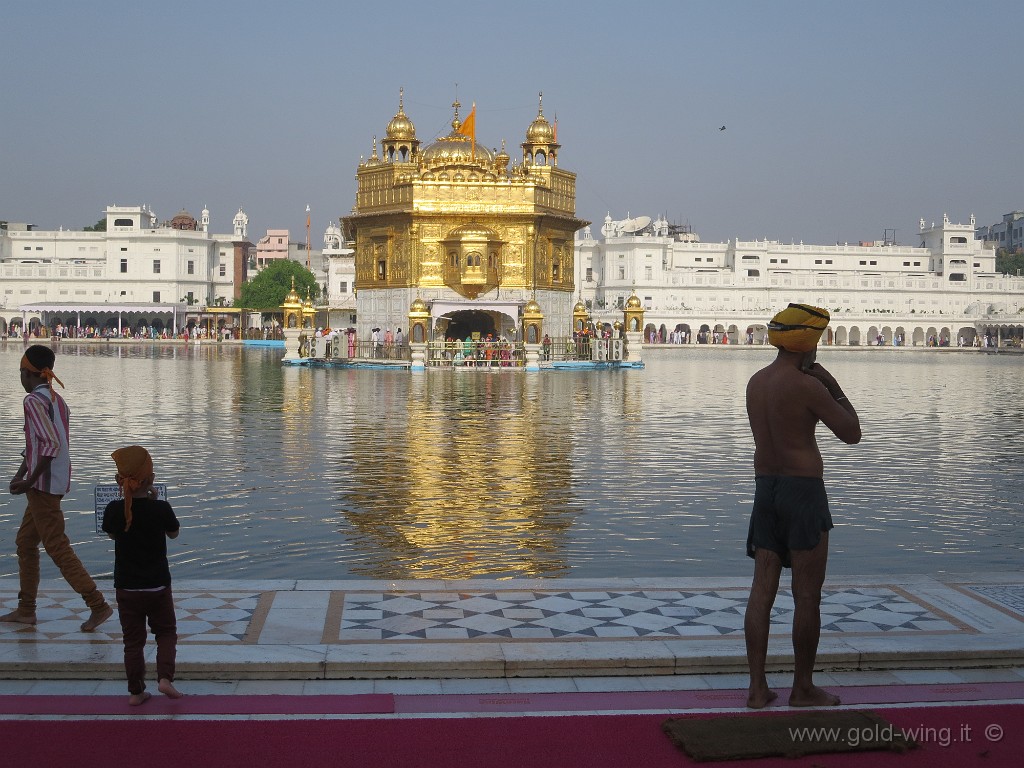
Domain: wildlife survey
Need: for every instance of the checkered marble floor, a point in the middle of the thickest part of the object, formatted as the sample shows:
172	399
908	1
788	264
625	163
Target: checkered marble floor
362	629
266	616
203	617
554	615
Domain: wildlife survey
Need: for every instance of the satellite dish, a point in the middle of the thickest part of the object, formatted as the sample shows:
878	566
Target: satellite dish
632	226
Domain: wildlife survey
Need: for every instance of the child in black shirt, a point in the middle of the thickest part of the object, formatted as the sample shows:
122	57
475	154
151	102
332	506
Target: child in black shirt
140	525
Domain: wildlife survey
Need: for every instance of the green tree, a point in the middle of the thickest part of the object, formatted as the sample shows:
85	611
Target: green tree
268	289
99	226
1009	263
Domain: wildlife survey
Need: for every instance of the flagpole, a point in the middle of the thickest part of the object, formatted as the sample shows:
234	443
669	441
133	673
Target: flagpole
307	237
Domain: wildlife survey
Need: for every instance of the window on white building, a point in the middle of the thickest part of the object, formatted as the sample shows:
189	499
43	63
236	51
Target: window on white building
156	266
648	273
590	274
156	297
223	271
191	267
622	273
124	265
343	286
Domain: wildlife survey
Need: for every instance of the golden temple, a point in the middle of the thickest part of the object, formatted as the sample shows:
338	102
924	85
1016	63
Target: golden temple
468	235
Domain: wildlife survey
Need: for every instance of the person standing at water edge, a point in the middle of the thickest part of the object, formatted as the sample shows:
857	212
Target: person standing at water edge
45	477
790	520
140	525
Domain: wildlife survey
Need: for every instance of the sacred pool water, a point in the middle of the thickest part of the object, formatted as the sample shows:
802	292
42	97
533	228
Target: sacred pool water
285	472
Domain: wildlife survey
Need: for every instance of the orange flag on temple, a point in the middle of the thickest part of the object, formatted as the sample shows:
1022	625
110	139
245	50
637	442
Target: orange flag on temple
468	127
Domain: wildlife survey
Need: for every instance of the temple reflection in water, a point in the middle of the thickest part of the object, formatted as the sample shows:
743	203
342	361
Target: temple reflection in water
475	481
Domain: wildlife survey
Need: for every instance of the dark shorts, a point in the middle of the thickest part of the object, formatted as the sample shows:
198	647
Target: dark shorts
789	513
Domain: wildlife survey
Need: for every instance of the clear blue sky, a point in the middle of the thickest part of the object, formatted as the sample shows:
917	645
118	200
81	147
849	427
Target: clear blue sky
842	119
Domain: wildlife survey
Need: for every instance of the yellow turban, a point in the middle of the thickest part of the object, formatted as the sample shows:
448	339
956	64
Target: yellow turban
134	466
798	327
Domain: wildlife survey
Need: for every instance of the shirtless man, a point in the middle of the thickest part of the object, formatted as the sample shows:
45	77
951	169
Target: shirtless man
790	521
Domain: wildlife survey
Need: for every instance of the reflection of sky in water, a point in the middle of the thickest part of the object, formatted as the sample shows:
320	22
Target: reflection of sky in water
296	473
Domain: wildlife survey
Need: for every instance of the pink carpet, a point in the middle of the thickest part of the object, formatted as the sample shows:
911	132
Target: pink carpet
611	741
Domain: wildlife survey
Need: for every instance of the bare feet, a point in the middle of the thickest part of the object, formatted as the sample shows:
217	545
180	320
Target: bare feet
19	616
138	698
812	697
166	687
97	618
761	697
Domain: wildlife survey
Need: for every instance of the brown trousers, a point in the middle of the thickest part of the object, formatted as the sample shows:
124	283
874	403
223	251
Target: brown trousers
44	523
134	608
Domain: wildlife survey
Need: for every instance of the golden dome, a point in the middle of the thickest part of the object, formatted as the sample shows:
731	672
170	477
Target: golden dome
401	128
540	131
531	308
580	308
292	297
308	303
502	157
456	150
633	302
419	306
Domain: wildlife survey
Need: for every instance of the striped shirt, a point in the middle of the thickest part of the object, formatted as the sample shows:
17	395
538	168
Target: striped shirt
46	434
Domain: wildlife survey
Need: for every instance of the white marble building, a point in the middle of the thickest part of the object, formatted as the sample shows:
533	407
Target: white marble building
152	270
340	268
944	288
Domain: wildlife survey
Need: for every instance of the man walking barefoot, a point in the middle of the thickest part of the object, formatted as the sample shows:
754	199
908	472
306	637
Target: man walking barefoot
790	520
44	477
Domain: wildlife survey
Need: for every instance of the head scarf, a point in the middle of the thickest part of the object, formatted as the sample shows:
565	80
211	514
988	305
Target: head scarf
798	327
41	370
134	466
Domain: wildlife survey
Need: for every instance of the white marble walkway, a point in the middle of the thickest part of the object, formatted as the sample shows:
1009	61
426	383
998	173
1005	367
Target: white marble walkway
527	628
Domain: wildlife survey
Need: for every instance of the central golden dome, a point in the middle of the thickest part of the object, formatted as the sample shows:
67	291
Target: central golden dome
456	149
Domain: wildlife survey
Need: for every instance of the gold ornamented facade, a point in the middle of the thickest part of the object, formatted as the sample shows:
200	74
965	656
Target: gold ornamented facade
465	229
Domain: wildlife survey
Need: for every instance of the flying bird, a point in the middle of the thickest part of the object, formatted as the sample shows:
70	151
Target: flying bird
722	128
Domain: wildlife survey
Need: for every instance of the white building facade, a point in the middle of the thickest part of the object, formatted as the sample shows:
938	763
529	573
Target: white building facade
942	291
340	281
155	271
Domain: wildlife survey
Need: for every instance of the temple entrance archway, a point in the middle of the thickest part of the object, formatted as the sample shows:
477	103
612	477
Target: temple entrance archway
467	322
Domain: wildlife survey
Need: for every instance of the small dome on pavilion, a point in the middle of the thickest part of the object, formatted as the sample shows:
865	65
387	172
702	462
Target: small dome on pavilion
401	128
